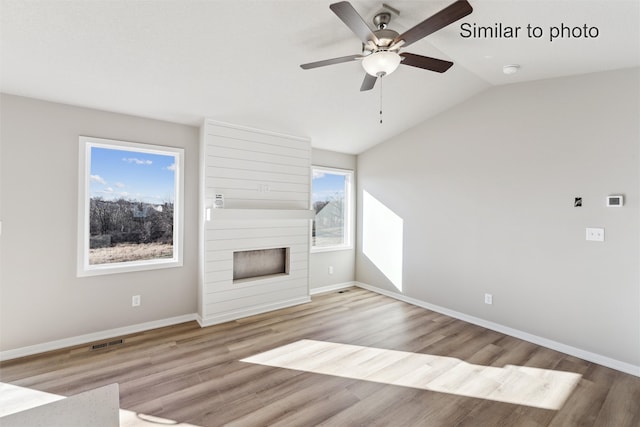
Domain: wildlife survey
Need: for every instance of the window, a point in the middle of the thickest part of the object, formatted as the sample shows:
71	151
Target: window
130	207
332	203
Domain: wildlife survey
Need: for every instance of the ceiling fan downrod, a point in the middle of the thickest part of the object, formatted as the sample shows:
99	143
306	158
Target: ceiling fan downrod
381	20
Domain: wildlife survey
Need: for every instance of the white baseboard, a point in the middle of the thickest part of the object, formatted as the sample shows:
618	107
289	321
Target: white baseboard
141	327
96	336
332	288
553	345
111	333
246	312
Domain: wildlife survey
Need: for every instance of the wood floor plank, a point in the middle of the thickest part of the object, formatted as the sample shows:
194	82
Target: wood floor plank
616	411
195	375
374	406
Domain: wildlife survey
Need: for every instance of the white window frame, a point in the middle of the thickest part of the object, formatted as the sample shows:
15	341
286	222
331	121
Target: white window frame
83	266
349	213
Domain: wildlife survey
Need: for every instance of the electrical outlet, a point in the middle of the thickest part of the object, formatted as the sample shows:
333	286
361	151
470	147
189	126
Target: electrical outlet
488	299
595	234
135	301
331	269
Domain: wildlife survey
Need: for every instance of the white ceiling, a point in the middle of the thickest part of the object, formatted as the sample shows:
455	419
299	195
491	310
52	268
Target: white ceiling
238	60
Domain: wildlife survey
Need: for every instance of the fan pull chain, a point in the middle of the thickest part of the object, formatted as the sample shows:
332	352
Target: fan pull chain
381	99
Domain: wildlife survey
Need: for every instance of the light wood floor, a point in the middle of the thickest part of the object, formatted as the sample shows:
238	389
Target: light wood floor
331	362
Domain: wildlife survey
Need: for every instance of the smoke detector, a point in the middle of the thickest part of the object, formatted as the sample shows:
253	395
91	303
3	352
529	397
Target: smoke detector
511	69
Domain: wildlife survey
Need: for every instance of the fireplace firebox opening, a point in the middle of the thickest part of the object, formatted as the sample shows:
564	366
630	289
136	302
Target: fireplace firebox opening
260	263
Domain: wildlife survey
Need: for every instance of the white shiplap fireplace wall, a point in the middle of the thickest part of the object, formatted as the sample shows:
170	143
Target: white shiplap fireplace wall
265	180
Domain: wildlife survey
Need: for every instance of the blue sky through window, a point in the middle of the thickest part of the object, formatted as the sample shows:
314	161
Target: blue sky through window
132	175
326	185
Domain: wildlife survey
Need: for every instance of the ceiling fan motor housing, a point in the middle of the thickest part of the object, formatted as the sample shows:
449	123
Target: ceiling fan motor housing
385	38
380	60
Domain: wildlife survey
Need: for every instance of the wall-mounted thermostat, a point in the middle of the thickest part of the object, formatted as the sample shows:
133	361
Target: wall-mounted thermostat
218	202
615	201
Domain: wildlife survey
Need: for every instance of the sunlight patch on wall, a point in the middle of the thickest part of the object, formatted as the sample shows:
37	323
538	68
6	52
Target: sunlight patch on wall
521	385
382	238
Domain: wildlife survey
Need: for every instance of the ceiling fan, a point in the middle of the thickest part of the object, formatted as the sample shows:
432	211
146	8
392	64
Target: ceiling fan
381	48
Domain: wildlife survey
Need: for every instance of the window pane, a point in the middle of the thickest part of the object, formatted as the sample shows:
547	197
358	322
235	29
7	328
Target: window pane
330	192
131	206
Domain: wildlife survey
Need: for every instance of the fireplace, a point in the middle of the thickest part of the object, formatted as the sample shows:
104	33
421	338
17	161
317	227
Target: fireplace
260	263
254	252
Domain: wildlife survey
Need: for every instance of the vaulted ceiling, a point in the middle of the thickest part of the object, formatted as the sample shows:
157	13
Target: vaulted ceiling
238	60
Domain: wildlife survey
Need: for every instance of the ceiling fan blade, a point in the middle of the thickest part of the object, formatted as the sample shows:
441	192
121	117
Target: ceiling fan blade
368	83
330	62
425	62
446	16
354	21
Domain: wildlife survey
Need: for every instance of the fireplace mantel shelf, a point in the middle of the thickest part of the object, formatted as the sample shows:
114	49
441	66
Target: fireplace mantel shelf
261	214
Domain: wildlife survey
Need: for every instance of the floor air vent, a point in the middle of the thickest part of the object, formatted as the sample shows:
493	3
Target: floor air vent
106	344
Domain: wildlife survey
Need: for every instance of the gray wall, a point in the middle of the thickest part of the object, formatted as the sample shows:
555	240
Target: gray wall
486	192
343	261
42	300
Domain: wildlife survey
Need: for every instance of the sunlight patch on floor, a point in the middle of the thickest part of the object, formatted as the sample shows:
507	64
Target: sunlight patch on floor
521	385
136	419
14	399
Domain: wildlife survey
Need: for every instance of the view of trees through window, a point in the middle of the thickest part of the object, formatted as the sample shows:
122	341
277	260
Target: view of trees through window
124	230
330	192
131	205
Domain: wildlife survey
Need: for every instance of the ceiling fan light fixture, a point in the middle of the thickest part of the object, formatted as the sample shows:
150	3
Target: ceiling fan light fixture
381	63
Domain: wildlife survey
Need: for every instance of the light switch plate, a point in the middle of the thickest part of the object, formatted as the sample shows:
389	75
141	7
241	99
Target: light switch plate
595	234
488	299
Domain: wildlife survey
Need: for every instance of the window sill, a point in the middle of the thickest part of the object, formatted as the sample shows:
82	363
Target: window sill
331	249
127	267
